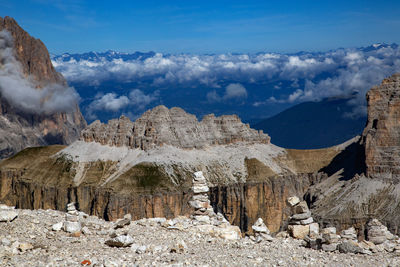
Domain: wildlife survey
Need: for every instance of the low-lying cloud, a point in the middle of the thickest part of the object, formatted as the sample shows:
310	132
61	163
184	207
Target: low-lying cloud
111	102
311	76
232	91
20	91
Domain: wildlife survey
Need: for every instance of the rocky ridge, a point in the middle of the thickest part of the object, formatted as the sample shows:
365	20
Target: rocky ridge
20	128
162	126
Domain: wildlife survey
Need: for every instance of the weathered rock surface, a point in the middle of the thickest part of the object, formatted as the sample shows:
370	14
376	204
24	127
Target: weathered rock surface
381	136
20	129
163	126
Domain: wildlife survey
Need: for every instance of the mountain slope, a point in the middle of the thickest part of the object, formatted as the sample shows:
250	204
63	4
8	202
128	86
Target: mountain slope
313	124
36	105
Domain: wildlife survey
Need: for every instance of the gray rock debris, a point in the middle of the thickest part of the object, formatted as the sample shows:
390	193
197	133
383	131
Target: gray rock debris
7	214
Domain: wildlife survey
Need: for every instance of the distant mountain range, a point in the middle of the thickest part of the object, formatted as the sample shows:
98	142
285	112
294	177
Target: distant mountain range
313	124
253	86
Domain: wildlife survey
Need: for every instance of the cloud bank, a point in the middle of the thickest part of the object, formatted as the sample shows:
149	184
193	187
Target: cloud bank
21	92
111	102
312	76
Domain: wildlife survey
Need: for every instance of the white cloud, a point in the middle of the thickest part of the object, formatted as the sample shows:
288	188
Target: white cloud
232	91
21	91
112	102
313	76
235	90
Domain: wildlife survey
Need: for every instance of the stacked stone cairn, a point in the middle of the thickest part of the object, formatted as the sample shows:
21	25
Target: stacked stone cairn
119	237
72	222
200	202
261	231
301	224
204	216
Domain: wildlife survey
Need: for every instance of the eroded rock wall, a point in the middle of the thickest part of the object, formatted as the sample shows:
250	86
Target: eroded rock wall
381	136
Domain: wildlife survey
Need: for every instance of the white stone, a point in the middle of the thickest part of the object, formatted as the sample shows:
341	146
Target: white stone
260	227
292	201
72	227
7	215
57	226
200	189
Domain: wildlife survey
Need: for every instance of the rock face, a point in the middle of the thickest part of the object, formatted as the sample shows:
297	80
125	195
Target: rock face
163	126
381	136
353	196
19	128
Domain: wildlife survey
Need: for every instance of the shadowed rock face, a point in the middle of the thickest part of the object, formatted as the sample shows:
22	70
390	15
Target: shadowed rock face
20	129
364	179
175	127
381	136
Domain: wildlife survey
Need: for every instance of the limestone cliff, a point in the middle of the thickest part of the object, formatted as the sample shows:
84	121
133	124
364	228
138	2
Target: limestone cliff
364	179
163	126
381	136
21	128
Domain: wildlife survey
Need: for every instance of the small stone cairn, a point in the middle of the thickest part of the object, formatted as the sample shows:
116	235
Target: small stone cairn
204	216
301	224
200	202
72	222
261	231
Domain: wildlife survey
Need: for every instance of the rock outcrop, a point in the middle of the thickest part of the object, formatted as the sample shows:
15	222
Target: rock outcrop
354	194
21	128
381	136
163	126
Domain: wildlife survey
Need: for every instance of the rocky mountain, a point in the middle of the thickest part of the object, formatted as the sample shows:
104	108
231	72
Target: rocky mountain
146	167
162	126
26	65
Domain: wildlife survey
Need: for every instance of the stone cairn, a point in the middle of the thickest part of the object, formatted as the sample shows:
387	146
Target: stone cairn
261	231
204	213
301	224
204	216
72	222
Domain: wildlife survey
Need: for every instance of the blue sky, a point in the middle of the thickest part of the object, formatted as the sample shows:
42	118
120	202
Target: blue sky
206	26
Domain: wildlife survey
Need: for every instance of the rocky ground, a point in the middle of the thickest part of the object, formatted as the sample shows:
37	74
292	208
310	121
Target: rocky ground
29	240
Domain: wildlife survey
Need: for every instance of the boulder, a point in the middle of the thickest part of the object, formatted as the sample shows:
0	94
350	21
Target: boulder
299	231
120	241
349	247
